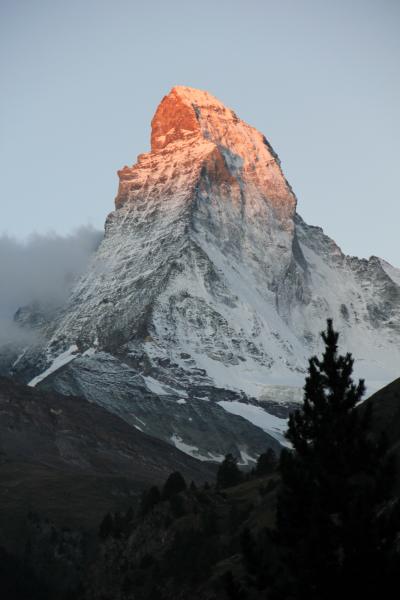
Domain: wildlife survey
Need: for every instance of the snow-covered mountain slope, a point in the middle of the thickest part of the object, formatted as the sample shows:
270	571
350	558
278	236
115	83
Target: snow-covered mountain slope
362	296
209	288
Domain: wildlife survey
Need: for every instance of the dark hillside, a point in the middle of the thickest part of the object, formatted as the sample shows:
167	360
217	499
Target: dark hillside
71	461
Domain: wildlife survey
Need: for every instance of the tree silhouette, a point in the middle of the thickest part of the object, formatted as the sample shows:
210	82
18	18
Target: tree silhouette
228	473
174	484
333	509
106	526
266	463
149	499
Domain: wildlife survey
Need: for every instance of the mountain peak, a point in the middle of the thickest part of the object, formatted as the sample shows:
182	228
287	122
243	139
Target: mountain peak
193	133
174	119
185	111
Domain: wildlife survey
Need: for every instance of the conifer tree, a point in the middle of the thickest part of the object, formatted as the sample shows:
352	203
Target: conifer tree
149	499
228	473
266	463
106	526
174	485
332	519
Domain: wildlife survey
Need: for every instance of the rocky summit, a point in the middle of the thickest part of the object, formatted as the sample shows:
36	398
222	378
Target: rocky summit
199	310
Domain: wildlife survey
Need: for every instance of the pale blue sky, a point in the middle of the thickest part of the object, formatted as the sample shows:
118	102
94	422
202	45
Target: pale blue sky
81	80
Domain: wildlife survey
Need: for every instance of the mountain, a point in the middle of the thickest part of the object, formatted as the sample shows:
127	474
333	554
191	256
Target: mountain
200	308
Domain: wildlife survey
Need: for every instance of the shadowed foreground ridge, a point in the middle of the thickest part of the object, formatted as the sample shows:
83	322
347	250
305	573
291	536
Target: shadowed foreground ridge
71	477
73	461
325	524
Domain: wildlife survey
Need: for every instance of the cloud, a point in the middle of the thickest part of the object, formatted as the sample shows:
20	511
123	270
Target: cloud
11	336
41	269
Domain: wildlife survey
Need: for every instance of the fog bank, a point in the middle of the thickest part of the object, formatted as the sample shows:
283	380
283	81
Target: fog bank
41	269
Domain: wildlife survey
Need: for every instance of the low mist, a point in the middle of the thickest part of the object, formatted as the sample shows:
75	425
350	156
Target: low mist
41	269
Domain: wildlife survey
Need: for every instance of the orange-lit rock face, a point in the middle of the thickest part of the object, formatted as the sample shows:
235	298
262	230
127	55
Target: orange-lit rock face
193	133
174	120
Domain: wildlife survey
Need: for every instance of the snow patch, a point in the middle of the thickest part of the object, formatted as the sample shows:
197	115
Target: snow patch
271	424
155	387
162	389
61	360
90	352
194	451
246	459
19	357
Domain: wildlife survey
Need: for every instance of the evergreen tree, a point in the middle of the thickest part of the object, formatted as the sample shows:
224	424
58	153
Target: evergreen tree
266	463
228	473
232	587
130	513
106	527
149	499
174	484
333	510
